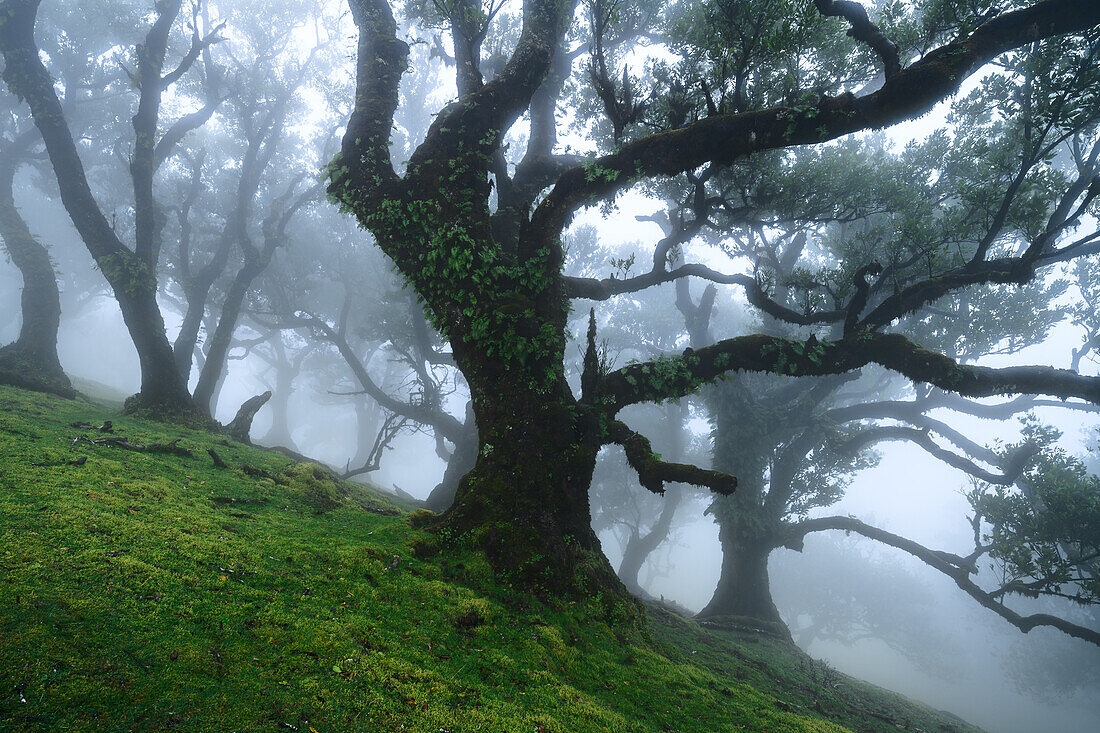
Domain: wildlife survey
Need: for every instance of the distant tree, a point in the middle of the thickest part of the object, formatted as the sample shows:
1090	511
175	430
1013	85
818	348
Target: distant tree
271	169
130	271
476	228
31	361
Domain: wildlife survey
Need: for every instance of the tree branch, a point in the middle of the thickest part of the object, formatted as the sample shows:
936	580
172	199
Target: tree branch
174	134
670	377
862	29
725	138
955	567
364	165
653	473
889	433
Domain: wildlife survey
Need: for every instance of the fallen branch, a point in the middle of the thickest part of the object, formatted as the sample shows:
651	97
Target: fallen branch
173	447
218	462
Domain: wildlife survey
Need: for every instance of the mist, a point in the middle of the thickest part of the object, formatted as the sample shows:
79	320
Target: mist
900	514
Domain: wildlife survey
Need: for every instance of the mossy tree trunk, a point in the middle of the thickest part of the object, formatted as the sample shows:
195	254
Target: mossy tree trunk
526	499
481	245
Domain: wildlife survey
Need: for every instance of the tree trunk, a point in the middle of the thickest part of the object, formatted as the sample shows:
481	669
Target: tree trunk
162	387
279	432
744	440
640	547
31	361
525	503
188	336
743	587
461	462
214	370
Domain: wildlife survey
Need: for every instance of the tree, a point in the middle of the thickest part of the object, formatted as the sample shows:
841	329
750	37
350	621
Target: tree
491	278
31	361
131	272
795	445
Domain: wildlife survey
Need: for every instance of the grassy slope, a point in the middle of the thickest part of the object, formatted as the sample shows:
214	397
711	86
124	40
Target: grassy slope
156	592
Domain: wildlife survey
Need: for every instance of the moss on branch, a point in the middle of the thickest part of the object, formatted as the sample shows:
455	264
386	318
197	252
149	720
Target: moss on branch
672	377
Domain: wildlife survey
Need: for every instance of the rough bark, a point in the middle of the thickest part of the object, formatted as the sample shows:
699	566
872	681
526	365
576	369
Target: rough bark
526	500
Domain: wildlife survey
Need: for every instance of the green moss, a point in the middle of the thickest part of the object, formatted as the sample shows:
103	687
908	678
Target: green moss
156	592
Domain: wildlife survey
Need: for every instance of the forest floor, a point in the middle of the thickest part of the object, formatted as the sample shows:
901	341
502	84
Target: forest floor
155	591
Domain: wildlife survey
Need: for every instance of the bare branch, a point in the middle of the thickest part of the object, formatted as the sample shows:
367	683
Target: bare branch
957	568
890	433
179	129
198	45
27	77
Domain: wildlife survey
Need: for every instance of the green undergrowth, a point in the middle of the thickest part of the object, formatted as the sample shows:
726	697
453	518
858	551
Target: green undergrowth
798	682
155	591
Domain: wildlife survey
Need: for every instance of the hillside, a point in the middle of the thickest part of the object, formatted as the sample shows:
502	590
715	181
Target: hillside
156	591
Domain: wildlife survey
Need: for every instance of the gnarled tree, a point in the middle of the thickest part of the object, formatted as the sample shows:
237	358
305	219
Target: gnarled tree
480	241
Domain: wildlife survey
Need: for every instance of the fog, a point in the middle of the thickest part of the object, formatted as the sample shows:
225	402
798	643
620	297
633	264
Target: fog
328	322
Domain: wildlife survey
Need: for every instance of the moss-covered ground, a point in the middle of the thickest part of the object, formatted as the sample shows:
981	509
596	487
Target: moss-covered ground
148	591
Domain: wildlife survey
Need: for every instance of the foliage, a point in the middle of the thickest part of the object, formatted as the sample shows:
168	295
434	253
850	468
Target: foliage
1044	535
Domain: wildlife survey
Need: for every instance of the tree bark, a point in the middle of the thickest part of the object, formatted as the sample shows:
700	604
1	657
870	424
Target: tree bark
526	500
31	361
